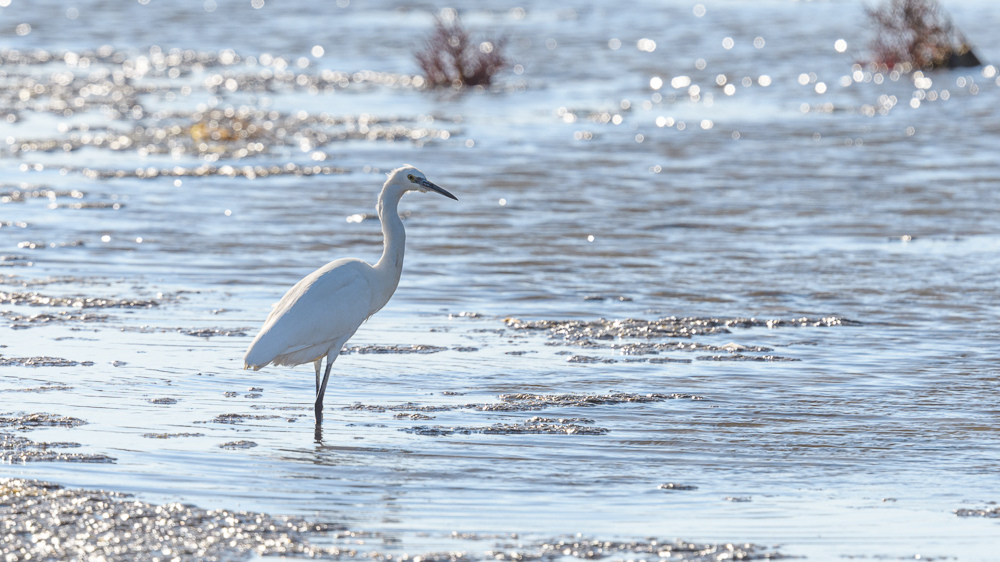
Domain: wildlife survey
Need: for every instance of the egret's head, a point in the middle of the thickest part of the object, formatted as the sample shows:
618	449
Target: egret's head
412	179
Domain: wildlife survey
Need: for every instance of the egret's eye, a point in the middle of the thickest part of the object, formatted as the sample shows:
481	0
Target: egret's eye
411	177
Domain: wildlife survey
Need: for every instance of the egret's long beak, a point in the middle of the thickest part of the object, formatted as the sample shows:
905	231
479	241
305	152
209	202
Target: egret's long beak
432	187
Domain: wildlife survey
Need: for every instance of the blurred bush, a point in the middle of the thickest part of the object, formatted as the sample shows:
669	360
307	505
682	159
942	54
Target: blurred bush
451	60
918	34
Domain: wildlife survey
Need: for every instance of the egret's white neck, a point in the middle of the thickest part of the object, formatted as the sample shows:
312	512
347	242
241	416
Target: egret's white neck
390	265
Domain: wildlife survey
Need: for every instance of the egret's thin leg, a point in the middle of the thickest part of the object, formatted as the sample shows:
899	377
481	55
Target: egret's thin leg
318	431
322	389
318	363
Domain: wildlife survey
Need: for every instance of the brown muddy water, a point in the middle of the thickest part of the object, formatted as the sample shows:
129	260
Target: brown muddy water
711	288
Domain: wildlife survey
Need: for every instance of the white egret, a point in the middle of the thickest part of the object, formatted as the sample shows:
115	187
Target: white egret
321	312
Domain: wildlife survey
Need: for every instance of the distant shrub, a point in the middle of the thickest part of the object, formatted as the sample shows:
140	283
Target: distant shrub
918	33
451	60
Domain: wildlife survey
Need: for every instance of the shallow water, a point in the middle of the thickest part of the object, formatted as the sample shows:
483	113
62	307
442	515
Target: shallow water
776	202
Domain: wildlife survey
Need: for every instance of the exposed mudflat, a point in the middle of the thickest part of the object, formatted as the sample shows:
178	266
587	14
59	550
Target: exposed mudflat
36	299
20	321
242	444
365	349
668	327
33	421
572	426
742	357
989	512
673	486
171	435
515	403
524	402
240	418
213	332
41	362
528	401
17	449
652	548
595	335
44	521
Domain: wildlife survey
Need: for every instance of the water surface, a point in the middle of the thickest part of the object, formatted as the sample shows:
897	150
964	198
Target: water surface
585	193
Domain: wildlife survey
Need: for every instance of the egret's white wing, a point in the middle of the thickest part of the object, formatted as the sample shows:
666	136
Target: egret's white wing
322	310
